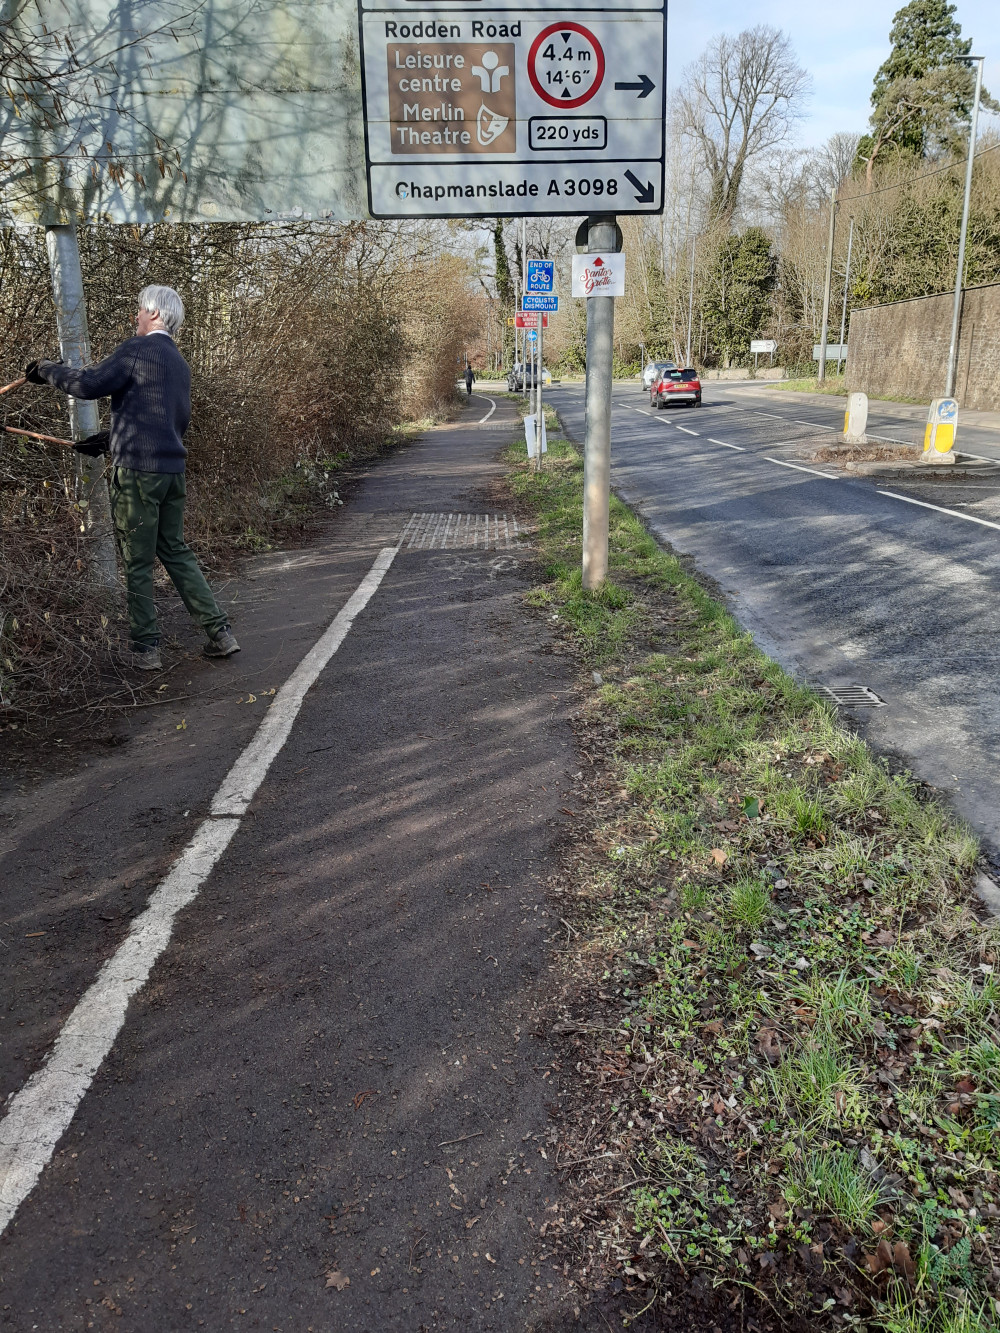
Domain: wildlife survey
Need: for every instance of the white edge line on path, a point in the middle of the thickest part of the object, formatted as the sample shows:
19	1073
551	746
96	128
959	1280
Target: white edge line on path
38	1115
738	447
798	468
686	431
969	518
493	408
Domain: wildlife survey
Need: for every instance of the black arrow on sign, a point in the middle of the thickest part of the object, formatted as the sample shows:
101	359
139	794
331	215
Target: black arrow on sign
643	193
645	83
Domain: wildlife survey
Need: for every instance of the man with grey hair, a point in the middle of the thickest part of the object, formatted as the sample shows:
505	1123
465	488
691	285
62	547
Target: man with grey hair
149	384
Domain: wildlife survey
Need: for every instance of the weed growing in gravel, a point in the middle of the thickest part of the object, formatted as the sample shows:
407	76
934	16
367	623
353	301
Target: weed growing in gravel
799	1024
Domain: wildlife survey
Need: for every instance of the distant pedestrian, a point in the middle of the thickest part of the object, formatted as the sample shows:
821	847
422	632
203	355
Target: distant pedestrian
149	384
469	379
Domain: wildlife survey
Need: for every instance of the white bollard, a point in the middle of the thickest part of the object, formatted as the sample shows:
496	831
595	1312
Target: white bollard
856	418
940	431
529	435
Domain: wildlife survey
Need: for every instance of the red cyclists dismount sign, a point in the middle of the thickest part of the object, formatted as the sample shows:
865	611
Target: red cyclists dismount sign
566	65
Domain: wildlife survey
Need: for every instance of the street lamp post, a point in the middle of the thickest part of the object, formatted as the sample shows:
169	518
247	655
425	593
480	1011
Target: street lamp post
956	313
827	285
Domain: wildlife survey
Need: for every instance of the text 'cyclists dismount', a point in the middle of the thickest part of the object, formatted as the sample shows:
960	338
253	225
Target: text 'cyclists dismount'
474	111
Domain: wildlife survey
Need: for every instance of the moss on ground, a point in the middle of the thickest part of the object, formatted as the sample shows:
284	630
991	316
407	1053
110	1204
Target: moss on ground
781	1002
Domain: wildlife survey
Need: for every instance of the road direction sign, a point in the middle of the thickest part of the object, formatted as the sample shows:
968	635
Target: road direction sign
758	345
473	111
527	319
539	301
541	275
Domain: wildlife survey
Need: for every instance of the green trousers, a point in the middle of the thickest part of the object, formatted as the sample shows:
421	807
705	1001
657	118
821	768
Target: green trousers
148	513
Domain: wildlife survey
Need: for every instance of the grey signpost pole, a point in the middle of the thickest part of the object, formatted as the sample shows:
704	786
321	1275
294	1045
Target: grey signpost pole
538	418
601	235
524	288
821	373
956	313
74	348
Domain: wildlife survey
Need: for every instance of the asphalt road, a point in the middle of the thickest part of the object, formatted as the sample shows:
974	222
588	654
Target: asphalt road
333	1067
842	583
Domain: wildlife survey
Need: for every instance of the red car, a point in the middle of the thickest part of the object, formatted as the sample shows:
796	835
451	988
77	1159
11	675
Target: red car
676	386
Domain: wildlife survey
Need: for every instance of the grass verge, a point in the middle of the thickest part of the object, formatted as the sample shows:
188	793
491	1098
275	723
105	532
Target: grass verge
780	999
836	385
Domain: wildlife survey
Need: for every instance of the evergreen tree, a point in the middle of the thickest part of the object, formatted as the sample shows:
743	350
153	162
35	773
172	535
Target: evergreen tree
922	96
738	298
506	291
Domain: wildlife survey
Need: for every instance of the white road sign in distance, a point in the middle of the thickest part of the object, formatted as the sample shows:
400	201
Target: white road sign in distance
481	111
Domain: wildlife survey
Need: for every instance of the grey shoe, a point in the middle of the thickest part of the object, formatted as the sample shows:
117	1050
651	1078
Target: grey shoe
222	644
146	657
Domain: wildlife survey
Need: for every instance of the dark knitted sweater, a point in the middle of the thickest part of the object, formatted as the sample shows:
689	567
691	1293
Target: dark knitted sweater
149	384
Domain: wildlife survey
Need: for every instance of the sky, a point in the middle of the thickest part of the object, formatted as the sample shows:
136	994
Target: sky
842	44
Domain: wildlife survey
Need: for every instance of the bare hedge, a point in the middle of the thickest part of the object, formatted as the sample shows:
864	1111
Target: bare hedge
307	345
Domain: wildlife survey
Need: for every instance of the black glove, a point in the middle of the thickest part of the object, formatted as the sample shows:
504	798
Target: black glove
31	373
94	445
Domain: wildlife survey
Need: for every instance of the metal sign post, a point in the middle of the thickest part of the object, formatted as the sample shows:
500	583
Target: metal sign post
602	234
540	110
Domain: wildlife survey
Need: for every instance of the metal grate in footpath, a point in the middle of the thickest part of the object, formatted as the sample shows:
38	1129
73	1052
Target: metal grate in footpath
459	532
852	696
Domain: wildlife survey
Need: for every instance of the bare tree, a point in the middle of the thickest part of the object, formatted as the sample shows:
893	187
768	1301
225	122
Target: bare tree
833	164
739	101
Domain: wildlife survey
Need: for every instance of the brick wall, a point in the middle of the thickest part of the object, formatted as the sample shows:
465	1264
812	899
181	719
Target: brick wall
901	350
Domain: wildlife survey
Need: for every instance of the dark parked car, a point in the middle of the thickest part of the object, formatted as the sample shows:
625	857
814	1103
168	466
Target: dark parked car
521	375
676	386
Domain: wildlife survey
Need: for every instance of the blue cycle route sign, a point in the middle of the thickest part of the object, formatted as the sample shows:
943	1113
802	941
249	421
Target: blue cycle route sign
541	275
539	301
532	336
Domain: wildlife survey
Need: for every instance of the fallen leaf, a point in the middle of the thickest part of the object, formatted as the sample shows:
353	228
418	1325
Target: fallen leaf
335	1278
359	1097
751	809
885	937
181	725
879	1261
472	1222
903	1261
719	856
769	1046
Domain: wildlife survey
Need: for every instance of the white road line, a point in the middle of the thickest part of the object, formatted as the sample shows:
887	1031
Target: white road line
38	1115
738	447
493	408
781	463
688	432
816	425
969	518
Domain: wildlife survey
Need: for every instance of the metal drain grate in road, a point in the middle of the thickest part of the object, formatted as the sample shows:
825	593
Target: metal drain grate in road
459	532
852	696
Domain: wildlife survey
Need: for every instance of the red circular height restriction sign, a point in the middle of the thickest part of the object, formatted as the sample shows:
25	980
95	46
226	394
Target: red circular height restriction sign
566	65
